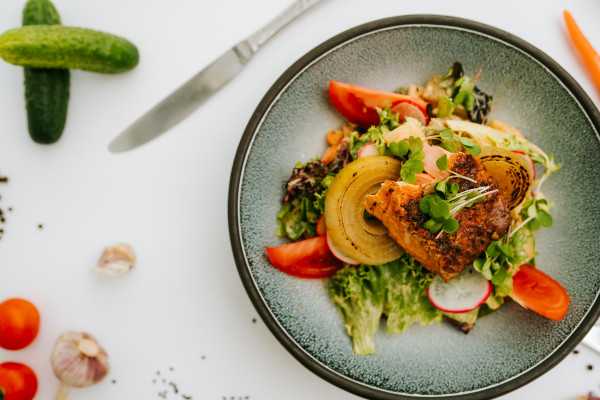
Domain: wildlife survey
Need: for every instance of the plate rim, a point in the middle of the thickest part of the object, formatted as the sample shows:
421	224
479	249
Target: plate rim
237	170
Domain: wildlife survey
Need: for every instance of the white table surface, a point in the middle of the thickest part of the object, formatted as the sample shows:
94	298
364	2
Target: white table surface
183	312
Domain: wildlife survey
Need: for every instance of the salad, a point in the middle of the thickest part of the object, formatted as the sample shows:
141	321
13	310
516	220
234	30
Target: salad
420	211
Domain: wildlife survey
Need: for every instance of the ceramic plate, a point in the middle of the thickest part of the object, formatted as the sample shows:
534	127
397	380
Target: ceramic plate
506	349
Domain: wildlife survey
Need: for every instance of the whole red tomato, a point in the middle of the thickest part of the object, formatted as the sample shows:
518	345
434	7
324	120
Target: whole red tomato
19	323
17	382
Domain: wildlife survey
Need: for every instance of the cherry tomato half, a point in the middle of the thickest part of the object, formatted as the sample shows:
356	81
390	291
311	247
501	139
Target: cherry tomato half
535	290
309	258
19	323
17	382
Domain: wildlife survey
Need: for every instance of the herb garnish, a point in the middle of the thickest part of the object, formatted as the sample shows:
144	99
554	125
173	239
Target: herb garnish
413	152
447	201
448	142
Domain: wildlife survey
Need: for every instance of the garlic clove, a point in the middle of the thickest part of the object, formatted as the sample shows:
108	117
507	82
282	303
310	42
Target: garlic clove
78	360
115	260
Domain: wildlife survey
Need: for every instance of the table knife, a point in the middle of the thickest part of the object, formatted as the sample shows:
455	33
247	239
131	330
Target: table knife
188	97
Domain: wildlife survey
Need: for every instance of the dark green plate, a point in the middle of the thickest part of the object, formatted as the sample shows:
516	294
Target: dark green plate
506	349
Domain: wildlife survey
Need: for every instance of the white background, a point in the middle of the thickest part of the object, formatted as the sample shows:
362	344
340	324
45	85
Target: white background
184	307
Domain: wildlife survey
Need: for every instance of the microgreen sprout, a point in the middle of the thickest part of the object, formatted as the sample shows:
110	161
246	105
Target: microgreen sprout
413	152
443	206
448	142
465	95
535	214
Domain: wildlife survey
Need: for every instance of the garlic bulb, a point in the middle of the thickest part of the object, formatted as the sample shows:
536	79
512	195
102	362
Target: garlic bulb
115	260
77	361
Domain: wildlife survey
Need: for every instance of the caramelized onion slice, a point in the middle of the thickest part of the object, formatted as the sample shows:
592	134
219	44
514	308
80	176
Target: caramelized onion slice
363	239
513	172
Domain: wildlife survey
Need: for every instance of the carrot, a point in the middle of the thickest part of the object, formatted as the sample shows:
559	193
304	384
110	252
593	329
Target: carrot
588	54
329	154
334	137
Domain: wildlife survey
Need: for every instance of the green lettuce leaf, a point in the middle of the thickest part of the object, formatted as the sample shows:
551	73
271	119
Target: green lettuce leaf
406	301
397	289
359	292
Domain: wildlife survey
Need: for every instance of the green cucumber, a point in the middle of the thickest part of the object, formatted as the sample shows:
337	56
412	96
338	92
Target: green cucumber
40	12
46	90
56	46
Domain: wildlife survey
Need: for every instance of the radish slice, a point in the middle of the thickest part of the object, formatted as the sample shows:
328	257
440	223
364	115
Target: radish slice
407	109
338	253
465	292
367	150
529	158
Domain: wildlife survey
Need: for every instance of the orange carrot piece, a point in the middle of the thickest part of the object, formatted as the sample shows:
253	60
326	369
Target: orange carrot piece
334	137
588	54
329	154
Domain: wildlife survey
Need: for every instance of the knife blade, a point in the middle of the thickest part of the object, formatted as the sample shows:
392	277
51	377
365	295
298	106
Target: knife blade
189	96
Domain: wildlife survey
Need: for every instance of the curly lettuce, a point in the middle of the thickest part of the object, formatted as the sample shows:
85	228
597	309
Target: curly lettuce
365	293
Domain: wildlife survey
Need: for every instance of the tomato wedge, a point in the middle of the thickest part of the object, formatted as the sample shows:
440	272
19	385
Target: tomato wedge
535	290
17	381
309	258
358	104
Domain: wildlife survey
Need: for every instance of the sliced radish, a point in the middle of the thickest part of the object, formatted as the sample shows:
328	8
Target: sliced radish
465	292
530	160
367	150
407	109
338	253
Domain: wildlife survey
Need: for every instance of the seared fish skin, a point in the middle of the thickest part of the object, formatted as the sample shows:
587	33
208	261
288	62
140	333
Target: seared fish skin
396	205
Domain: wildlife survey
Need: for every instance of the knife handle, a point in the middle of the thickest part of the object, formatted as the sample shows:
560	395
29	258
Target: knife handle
260	37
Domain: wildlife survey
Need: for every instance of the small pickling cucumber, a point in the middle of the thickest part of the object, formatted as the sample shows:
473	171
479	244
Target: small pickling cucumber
46	90
40	12
56	46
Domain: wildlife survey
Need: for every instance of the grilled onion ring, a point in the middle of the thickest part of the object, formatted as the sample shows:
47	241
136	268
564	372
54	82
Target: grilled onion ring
512	171
363	239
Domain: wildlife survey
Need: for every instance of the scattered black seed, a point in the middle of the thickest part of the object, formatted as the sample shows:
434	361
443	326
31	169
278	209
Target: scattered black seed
163	394
114	381
3	179
253	320
153	380
157	372
575	351
164	380
10	209
590	367
186	397
171	369
174	386
40	226
203	357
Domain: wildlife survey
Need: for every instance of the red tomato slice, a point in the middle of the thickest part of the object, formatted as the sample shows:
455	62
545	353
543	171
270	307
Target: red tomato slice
310	258
535	290
358	104
19	323
17	382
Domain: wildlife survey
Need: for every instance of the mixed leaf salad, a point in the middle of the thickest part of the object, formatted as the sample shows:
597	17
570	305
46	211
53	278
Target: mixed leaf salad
409	136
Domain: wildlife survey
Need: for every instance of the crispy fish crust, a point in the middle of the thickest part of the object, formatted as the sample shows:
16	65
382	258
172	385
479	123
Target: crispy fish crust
396	205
